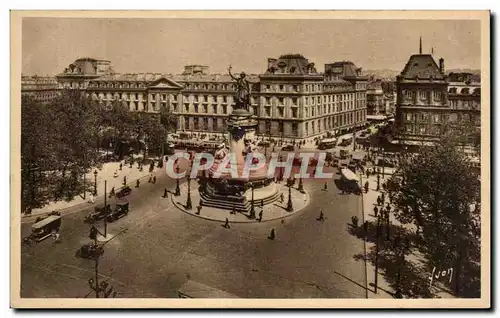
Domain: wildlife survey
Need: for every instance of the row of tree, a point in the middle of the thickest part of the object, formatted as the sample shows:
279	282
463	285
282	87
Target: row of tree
63	139
438	192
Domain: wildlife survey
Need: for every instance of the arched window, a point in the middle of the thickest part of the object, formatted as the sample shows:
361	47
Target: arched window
465	91
452	90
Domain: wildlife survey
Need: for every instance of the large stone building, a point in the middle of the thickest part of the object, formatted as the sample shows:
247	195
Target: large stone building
290	100
429	101
41	88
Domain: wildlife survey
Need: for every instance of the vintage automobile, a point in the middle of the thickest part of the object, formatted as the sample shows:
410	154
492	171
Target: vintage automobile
98	214
123	192
90	251
264	143
43	228
345	142
120	211
288	148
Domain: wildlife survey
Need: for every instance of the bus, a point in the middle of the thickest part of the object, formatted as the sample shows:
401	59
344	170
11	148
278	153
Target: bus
350	181
327	143
193	289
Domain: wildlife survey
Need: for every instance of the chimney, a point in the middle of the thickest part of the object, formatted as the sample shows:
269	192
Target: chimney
441	65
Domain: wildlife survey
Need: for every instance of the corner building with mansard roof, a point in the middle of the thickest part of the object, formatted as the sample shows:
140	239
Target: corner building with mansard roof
429	101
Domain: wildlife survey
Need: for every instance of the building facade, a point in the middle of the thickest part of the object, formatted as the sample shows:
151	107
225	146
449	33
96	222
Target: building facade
375	101
41	88
291	99
429	101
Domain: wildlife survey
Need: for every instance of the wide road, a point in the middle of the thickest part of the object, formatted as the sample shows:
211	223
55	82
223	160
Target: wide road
163	247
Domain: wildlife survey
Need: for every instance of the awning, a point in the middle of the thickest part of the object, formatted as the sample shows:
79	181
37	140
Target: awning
349	175
376	117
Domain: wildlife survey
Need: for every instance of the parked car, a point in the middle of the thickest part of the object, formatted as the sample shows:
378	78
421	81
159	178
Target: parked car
345	142
288	148
99	213
123	192
90	251
263	143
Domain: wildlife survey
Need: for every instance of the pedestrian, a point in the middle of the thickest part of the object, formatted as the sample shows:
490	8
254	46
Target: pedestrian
366	186
150	179
321	216
354	221
325	186
233	211
282	198
198	208
137	183
91	198
154	179
121	166
260	216
165	193
226	225
125	180
272	235
375	211
112	192
365	226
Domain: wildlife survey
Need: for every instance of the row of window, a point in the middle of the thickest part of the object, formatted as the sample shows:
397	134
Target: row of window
439	118
465	91
422	94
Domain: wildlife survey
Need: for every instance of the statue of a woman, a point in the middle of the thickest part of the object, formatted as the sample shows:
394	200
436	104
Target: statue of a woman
242	90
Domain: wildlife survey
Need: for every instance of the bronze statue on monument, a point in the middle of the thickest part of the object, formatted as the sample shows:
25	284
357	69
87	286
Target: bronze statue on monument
243	90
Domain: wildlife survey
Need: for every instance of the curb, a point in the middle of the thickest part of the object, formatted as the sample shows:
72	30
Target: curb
180	207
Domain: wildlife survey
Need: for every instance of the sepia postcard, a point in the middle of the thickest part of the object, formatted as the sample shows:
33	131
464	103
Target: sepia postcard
250	159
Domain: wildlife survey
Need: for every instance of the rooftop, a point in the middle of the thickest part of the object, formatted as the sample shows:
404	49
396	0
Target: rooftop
421	66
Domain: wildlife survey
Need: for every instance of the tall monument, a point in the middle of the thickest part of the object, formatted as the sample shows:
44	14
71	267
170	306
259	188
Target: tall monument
241	193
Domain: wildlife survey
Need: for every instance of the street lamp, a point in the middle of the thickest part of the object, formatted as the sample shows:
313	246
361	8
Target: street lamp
252	205
377	252
289	206
95	182
177	188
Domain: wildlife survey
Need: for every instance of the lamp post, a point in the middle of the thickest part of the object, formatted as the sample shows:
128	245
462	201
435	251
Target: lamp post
177	188
252	205
289	206
189	204
376	253
95	182
105	209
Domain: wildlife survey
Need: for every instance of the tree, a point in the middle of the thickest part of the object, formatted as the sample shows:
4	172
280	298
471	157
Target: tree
58	145
169	122
36	153
438	190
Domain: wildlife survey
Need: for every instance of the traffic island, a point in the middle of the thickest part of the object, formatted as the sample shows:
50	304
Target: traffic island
272	211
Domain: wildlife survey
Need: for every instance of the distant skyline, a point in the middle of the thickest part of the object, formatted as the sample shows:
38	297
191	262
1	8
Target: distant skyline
165	45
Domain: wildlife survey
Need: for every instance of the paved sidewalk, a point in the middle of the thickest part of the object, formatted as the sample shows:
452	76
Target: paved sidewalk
273	211
107	172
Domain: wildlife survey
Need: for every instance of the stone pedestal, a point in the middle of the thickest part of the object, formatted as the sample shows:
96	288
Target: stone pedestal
235	192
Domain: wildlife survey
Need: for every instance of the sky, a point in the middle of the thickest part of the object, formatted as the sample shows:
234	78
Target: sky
165	45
